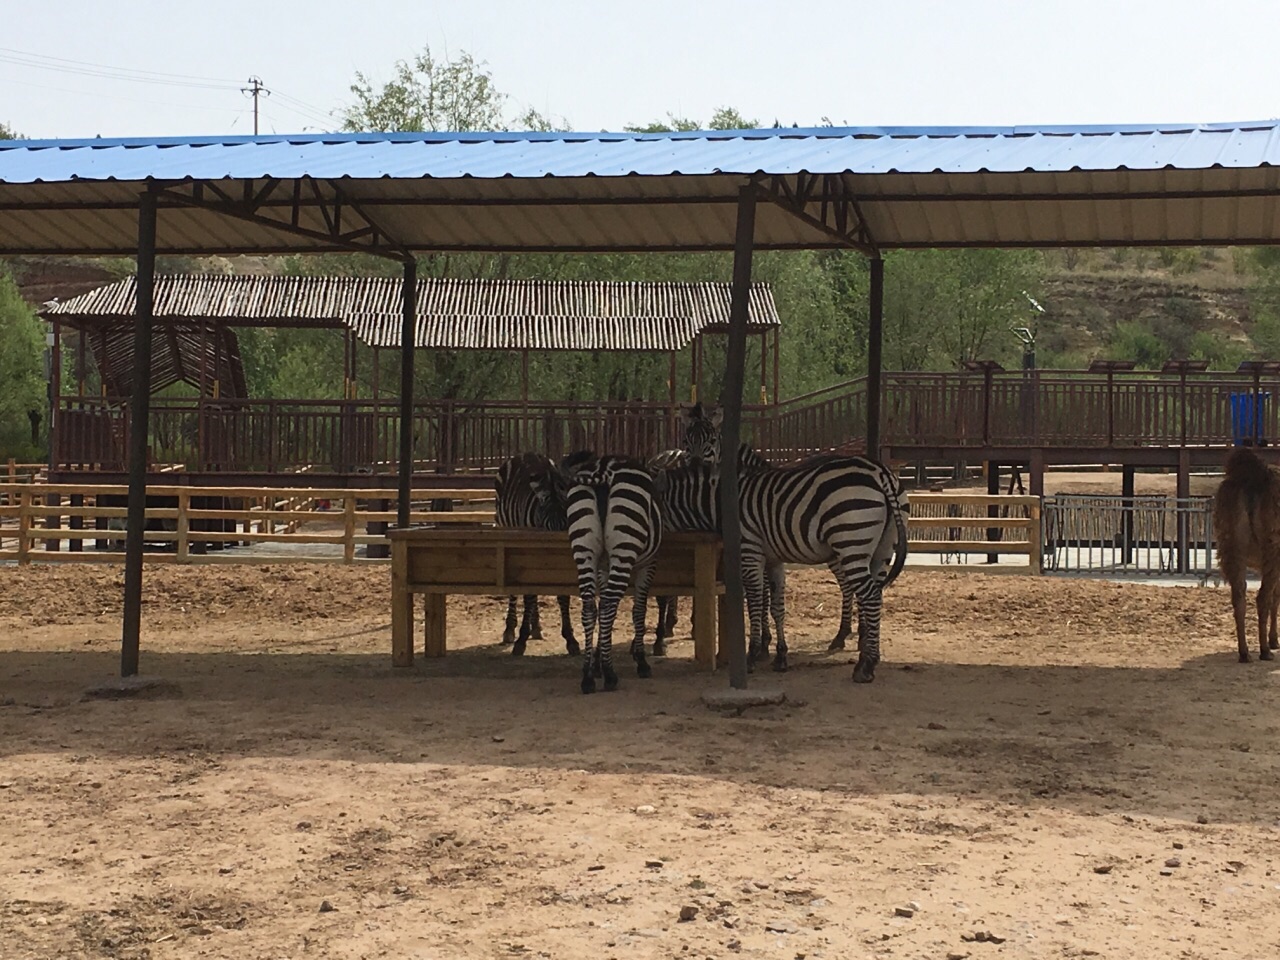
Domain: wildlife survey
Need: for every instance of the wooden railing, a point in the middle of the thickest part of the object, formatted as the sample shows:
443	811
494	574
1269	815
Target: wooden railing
53	522
85	522
14	472
954	524
1039	408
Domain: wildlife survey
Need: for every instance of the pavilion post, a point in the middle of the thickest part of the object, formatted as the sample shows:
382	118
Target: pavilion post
408	340
776	396
875	357
139	419
732	630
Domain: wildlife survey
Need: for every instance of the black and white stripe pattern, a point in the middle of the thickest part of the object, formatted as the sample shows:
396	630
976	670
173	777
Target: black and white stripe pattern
517	505
846	512
615	528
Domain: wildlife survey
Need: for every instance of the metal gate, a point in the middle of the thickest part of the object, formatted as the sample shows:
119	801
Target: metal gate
1128	536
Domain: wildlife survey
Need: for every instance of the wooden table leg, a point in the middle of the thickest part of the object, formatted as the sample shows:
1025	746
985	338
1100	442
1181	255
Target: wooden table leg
401	612
435	625
704	606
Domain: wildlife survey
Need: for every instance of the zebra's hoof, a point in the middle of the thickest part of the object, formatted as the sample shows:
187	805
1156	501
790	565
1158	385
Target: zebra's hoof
643	670
571	647
1244	658
780	665
1266	654
508	638
865	671
517	648
659	648
1275	644
611	684
588	684
836	644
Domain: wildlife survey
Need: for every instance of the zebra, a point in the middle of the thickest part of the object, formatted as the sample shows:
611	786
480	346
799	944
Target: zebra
615	527
847	512
517	505
668	606
701	441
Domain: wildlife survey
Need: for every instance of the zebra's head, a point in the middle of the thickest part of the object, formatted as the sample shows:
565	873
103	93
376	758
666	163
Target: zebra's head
701	438
550	490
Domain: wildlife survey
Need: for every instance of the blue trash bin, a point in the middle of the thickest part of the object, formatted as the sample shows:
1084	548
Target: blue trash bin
1244	418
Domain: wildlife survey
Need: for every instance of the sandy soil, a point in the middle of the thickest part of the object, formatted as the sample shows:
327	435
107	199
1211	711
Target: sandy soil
1030	756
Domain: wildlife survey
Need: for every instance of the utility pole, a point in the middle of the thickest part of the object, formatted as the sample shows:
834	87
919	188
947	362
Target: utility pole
255	89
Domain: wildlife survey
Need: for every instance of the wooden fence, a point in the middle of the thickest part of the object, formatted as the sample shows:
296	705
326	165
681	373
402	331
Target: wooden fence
184	524
85	522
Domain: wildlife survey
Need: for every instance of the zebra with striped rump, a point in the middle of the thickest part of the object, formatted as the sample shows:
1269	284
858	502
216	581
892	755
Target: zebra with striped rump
702	443
846	512
517	505
615	528
668	607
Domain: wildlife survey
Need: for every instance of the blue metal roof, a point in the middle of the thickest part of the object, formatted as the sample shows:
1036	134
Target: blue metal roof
489	155
911	186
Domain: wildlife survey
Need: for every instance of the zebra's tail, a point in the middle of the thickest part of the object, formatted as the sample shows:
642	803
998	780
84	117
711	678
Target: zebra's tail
895	500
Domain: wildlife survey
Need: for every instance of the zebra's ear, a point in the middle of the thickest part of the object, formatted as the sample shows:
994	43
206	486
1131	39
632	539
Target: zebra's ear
692	411
716	416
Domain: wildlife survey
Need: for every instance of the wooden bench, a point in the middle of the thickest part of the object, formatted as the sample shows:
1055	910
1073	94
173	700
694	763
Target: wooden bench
505	562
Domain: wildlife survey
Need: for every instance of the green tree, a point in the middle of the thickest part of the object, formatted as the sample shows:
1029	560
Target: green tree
22	383
8	133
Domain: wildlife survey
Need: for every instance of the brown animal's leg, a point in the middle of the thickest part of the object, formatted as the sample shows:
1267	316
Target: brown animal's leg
1265	593
1239	600
1275	604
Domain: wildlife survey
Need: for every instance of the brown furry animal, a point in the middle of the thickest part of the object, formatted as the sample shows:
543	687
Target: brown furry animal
1246	520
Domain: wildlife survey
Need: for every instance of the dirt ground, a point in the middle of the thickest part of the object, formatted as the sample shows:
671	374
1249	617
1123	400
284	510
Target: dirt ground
1043	768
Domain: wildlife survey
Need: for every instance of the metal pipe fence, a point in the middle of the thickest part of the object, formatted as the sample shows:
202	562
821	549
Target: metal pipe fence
1144	536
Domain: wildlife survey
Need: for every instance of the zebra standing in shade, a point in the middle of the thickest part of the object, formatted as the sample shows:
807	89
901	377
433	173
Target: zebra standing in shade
668	607
516	505
702	443
846	512
615	527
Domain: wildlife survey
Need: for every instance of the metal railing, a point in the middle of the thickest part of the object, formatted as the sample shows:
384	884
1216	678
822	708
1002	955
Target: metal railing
1144	536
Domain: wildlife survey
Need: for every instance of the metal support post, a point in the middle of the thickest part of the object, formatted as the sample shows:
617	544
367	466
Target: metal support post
731	402
139	419
875	357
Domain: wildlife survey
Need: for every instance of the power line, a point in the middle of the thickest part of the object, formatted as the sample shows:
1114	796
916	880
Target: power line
48	62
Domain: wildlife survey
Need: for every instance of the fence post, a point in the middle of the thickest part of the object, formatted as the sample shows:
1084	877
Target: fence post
1036	538
24	527
76	545
349	529
184	526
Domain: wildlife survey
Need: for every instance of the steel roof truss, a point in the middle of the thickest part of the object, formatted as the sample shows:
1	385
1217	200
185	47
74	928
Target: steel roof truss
825	203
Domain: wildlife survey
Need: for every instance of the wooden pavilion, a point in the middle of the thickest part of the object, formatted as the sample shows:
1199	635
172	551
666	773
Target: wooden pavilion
221	430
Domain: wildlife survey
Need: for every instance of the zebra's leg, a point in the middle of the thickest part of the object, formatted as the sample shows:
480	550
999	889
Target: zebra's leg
587	590
846	616
753	587
765	637
661	630
777	582
673	613
1265	591
526	624
869	595
617	577
643	578
509	633
566	628
535	626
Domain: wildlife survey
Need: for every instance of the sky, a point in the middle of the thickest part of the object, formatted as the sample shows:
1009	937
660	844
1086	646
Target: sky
602	65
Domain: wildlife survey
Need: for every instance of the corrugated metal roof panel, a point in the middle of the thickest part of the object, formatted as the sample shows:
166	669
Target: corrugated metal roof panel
454	314
497	191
